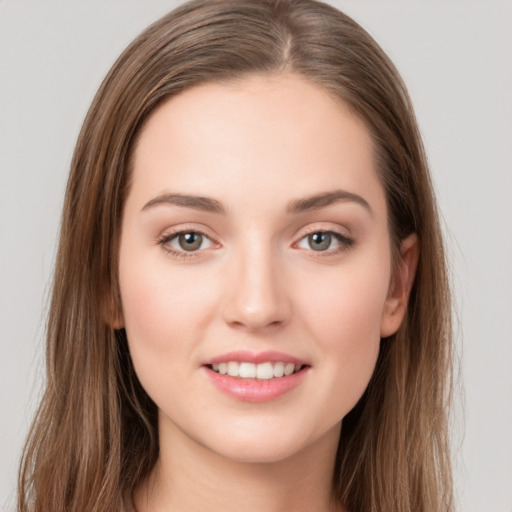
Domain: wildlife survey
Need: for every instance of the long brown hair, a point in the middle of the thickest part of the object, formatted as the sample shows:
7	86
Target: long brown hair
95	437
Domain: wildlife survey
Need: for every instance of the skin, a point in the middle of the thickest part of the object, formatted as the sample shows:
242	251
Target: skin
256	284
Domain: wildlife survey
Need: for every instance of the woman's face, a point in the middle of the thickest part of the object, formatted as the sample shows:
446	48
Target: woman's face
254	244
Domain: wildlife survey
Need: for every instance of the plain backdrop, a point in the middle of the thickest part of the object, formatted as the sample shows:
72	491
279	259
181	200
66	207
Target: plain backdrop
456	58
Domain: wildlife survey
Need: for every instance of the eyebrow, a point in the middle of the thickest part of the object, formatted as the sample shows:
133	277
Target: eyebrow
306	204
325	199
205	204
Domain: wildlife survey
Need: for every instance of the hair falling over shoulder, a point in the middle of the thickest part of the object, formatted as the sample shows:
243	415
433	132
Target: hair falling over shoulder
94	437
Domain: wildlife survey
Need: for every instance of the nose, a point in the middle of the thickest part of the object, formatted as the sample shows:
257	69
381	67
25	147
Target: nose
256	292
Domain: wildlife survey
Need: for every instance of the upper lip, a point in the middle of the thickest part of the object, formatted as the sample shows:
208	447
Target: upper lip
269	356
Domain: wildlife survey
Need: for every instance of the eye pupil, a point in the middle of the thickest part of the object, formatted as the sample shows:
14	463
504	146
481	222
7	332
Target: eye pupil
190	241
319	241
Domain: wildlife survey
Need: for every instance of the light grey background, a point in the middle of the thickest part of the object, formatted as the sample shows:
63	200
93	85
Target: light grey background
455	57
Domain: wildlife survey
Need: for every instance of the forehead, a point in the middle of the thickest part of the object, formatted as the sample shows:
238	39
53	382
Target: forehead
277	135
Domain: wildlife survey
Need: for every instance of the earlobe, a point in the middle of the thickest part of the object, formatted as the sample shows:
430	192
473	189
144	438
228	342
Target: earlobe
112	312
117	321
400	286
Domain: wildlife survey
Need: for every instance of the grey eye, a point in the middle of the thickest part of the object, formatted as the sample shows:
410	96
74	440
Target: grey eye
320	241
185	243
325	241
189	241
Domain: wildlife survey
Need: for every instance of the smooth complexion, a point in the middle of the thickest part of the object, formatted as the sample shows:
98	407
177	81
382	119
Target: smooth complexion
255	230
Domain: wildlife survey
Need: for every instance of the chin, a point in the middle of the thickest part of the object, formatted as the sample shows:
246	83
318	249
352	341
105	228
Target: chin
257	453
268	443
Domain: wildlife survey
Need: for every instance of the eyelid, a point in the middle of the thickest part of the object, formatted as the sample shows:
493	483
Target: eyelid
164	239
326	227
177	238
346	241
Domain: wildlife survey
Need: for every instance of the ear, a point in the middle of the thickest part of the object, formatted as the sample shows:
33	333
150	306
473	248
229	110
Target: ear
112	312
116	321
400	286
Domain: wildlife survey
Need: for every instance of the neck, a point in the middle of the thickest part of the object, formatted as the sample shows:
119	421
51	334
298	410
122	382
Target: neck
191	477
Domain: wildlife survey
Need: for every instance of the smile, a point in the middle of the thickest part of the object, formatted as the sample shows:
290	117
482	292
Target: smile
256	377
263	371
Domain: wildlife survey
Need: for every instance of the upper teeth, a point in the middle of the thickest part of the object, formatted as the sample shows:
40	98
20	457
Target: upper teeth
255	371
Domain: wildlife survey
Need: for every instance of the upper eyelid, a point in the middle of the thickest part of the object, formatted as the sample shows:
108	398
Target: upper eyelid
172	232
164	242
329	231
300	234
165	238
342	238
344	232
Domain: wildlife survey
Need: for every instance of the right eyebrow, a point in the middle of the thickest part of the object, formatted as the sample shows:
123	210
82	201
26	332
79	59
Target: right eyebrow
205	204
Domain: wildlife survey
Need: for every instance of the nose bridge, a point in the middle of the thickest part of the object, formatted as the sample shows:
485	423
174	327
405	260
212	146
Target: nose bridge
257	293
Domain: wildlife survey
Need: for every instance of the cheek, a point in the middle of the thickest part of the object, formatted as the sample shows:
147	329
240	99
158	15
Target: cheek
348	303
164	313
162	332
344	317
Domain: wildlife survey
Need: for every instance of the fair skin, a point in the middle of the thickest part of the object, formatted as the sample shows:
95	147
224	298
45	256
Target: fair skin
256	273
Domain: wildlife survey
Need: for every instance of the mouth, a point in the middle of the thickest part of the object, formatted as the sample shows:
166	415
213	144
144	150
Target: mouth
260	377
262	371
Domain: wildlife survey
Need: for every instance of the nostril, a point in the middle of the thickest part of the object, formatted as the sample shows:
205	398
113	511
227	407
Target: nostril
256	301
254	325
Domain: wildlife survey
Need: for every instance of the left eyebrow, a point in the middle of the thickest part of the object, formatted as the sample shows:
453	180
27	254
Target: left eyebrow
302	205
325	199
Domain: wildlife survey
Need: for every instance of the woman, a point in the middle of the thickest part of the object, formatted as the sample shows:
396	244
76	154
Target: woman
250	306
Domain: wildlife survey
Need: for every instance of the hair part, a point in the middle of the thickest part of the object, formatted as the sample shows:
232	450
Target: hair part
94	438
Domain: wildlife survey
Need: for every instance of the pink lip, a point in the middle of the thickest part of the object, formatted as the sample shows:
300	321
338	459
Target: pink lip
269	356
254	390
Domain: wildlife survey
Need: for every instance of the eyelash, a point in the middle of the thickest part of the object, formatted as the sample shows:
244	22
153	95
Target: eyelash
346	243
165	239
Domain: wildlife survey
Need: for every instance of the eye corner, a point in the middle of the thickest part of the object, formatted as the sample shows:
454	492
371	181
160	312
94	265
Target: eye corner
199	242
328	242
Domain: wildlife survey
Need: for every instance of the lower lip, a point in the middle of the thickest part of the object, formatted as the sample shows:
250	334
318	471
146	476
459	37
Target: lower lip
252	390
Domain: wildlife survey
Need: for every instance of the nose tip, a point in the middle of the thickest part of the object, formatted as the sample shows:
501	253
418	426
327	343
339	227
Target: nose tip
255	319
257	299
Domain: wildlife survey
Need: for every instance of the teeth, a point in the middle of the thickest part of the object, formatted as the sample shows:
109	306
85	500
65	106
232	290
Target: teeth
278	369
247	370
263	371
289	369
233	369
